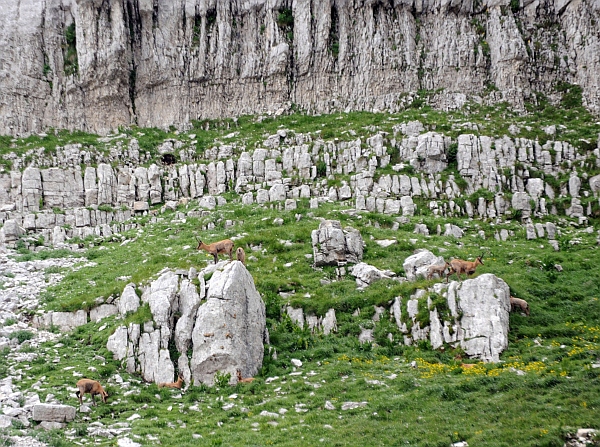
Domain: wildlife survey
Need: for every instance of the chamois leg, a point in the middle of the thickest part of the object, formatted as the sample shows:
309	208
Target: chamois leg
216	257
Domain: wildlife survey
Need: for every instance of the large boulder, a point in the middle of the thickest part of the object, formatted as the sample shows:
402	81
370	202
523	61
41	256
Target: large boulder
417	265
53	413
472	315
230	327
334	246
483	304
366	274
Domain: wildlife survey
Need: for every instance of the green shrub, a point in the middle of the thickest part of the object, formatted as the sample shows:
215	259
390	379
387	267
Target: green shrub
22	335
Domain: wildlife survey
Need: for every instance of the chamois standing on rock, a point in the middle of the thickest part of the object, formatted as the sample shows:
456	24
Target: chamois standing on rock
459	266
216	248
177	384
519	304
90	386
240	254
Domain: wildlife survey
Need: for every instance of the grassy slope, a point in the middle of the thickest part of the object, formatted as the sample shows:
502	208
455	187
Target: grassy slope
431	405
434	404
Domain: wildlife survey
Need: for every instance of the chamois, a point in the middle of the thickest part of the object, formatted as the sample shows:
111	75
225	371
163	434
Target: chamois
519	304
90	386
243	380
177	384
439	269
459	266
241	255
225	246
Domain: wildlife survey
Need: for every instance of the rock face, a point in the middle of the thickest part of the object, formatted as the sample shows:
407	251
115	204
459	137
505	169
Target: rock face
417	265
96	67
225	333
230	327
334	246
484	305
472	315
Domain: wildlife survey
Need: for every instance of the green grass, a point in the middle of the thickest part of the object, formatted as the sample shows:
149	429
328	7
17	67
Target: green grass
436	404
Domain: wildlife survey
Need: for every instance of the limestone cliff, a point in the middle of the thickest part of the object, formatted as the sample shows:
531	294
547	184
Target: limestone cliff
94	65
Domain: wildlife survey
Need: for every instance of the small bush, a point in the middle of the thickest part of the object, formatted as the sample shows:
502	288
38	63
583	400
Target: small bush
22	335
222	379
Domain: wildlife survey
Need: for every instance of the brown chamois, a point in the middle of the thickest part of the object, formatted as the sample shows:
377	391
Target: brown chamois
243	380
90	386
519	304
459	266
439	269
177	384
241	255
216	248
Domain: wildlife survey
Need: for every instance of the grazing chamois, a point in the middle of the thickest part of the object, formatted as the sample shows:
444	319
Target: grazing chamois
240	254
519	304
439	269
243	380
177	384
459	266
90	386
216	248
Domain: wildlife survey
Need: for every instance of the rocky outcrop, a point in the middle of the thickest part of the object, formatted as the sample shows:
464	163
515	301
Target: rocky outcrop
366	274
520	177
223	334
230	328
472	315
417	265
334	246
97	67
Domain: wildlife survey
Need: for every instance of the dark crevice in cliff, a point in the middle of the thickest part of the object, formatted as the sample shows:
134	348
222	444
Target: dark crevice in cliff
285	22
334	33
133	25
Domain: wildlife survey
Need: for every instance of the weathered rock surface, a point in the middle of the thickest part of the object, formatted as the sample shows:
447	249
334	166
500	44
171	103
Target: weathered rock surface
379	58
225	333
366	274
474	316
417	265
334	246
53	413
230	327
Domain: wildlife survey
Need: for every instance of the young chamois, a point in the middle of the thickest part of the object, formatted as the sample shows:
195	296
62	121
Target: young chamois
90	386
240	254
519	304
439	269
177	384
216	248
459	266
243	380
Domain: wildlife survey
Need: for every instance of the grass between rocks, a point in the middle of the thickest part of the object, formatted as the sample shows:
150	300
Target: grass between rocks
435	404
573	123
545	386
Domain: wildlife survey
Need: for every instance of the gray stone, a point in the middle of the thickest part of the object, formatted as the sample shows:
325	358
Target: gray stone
230	327
366	274
484	303
103	311
53	413
129	301
334	246
417	265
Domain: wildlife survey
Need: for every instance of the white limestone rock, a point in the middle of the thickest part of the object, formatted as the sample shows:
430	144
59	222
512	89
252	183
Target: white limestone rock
230	327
